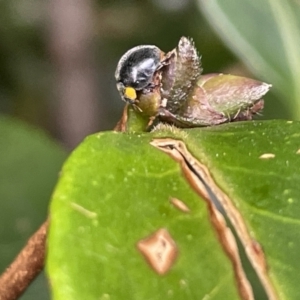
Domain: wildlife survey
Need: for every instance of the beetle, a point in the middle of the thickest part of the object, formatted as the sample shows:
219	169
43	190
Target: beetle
135	70
170	87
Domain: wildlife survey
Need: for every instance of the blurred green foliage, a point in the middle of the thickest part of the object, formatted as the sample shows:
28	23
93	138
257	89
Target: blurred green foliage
26	85
266	36
26	75
29	167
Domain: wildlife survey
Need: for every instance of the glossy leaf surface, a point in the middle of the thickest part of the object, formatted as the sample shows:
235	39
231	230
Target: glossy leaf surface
115	190
108	200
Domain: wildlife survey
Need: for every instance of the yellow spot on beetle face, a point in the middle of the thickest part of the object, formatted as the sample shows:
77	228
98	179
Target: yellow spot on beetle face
130	93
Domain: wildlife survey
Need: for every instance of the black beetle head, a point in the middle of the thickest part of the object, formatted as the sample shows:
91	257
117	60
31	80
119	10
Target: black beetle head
135	70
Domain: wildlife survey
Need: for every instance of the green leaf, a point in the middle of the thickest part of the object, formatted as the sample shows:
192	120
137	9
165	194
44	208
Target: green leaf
266	36
266	191
29	167
115	191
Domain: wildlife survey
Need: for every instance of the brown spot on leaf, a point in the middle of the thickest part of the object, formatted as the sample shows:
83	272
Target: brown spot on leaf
260	256
159	250
267	156
180	205
229	244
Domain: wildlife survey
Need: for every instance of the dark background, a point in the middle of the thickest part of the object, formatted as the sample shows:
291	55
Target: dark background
43	43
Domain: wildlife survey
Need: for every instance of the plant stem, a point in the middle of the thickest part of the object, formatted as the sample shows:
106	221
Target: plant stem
26	266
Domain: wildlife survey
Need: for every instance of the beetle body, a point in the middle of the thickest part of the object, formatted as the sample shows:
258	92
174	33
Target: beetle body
135	71
169	87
